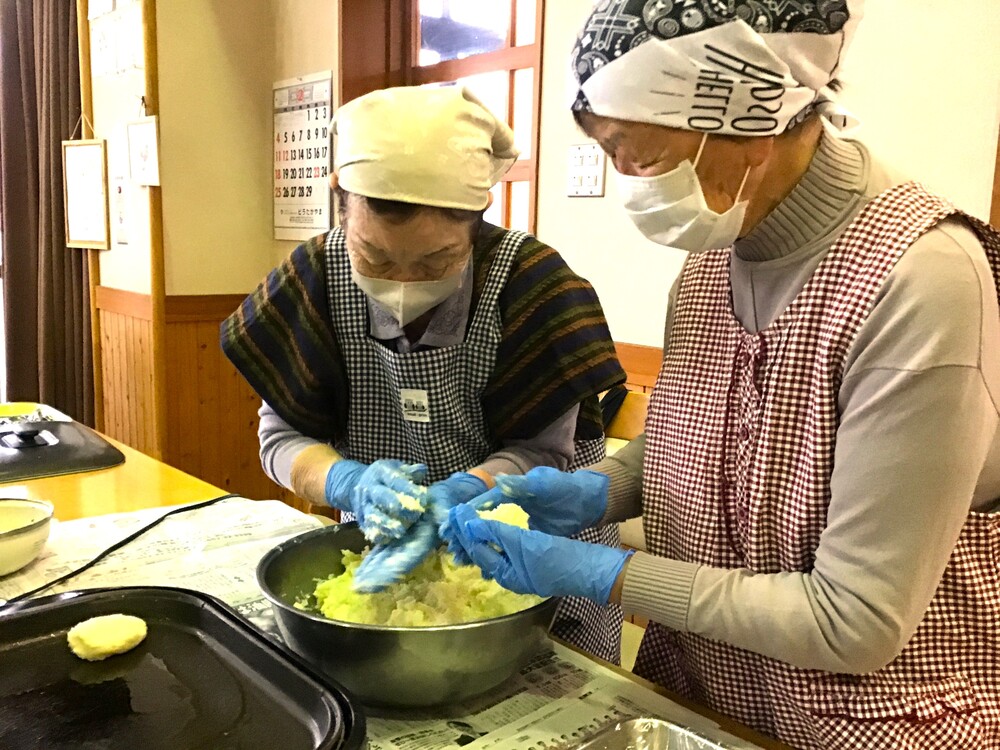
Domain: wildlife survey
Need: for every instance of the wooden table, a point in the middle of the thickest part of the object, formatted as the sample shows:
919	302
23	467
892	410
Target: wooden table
141	482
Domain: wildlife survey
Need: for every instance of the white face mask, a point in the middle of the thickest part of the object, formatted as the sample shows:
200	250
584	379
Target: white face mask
408	300
670	209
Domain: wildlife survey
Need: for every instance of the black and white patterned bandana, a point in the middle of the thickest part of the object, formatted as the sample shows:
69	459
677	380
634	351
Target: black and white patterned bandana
736	67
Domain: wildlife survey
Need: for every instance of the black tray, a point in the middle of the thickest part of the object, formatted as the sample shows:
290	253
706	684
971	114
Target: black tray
202	678
29	450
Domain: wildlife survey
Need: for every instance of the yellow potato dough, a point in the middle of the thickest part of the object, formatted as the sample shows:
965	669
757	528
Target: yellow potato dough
507	513
101	637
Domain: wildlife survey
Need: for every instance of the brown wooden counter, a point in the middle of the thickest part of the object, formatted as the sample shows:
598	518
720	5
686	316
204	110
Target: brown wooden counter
140	482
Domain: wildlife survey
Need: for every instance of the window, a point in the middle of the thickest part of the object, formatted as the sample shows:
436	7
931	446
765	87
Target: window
491	47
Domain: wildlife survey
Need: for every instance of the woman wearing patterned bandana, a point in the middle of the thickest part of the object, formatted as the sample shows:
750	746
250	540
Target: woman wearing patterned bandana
417	345
820	472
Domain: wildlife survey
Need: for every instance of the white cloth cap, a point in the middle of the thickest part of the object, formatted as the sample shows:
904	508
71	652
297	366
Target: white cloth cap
696	67
436	146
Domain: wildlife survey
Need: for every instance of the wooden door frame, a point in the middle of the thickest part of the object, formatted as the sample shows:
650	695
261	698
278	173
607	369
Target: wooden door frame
995	210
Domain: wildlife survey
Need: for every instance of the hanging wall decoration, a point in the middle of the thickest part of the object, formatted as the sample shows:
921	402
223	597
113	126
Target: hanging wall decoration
85	194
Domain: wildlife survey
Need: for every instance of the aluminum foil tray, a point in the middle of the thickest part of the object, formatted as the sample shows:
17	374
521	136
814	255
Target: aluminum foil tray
651	734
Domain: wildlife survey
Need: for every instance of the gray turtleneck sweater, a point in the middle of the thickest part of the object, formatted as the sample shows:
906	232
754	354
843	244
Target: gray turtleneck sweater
917	445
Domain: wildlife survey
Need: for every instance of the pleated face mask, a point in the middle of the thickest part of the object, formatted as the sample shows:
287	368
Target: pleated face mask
670	208
408	300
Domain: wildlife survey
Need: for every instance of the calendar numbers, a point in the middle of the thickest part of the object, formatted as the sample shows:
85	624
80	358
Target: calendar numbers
302	112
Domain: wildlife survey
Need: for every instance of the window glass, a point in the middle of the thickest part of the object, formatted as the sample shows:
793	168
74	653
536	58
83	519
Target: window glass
493	90
524	26
495	213
520	204
524	105
453	29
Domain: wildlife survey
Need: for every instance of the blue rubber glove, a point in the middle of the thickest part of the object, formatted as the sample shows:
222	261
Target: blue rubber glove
372	493
460	487
388	563
557	502
531	562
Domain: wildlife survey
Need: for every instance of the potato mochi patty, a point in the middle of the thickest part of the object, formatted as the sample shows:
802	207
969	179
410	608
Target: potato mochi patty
107	635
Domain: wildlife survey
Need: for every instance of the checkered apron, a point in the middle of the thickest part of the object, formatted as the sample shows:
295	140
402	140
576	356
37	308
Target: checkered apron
457	436
739	453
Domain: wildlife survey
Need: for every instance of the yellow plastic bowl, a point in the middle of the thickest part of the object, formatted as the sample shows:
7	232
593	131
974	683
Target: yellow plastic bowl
24	529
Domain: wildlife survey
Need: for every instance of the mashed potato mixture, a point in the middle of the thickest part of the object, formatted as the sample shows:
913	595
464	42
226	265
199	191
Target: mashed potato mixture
100	637
436	592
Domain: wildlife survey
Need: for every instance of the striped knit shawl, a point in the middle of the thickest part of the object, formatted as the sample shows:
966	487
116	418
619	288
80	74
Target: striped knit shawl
555	350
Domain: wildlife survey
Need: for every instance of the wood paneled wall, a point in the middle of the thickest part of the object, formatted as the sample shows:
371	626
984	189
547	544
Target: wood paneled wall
127	370
211	411
641	365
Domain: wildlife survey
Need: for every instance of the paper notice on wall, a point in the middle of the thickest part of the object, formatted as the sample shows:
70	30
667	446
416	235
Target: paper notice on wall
302	156
96	8
119	211
104	46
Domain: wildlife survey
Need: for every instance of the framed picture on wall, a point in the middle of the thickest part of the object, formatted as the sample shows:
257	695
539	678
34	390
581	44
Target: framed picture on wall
143	151
85	194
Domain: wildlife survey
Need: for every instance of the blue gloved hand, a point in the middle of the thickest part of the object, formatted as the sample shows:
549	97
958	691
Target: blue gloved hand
531	562
388	563
460	487
557	502
383	495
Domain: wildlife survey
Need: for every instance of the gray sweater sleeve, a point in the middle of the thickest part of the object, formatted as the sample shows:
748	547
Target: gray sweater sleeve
919	418
280	443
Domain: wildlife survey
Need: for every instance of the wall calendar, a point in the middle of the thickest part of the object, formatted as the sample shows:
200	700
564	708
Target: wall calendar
302	156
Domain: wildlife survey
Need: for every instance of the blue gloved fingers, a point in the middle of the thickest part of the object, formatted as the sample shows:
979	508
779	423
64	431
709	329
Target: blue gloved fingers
514	486
460	487
386	500
395	475
532	562
473	541
490	499
382	515
486	500
389	563
558	502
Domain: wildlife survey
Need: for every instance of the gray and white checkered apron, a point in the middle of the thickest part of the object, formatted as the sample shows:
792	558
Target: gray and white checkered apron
456	437
739	452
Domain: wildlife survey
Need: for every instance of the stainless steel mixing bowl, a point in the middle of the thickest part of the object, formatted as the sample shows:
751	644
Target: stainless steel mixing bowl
392	666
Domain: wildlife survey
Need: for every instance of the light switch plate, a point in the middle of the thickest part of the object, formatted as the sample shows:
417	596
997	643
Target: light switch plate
585	173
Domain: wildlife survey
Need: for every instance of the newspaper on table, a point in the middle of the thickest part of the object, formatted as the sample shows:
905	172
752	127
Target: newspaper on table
555	702
214	549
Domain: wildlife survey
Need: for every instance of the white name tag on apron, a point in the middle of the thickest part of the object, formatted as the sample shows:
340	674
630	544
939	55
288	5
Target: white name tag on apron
415	405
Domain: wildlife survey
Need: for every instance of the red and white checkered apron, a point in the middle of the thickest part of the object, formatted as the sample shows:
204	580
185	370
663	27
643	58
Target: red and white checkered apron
739	453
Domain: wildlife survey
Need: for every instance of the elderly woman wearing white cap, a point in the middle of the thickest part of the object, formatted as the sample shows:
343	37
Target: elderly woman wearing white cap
416	343
820	473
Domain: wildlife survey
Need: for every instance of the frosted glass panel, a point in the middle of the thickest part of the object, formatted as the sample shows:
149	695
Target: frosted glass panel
520	202
494	214
453	29
524	100
493	90
524	26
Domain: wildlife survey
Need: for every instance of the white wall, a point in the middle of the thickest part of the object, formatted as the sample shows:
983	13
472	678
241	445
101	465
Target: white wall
923	76
116	100
215	71
631	275
306	40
